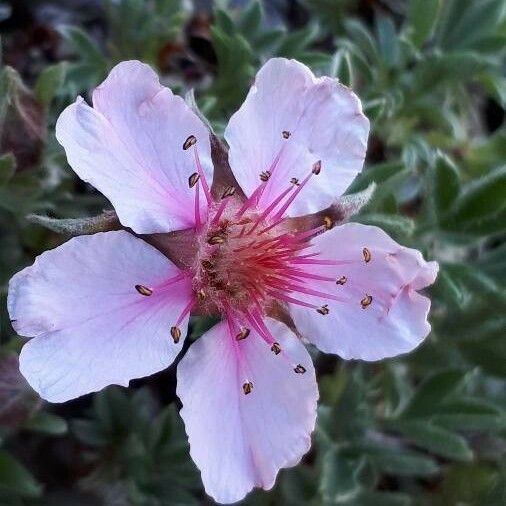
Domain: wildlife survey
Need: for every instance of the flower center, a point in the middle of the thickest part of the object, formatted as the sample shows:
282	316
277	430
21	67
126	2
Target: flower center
244	259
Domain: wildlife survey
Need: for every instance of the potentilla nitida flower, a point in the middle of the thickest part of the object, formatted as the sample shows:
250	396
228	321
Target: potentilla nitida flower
258	243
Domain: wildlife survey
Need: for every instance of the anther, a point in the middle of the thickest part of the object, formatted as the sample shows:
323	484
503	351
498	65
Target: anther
328	222
294	181
193	179
206	264
175	332
299	369
324	310
201	295
216	239
286	134
366	301
264	176
189	142
247	388
243	334
276	348
317	167
144	290
342	280
367	255
228	192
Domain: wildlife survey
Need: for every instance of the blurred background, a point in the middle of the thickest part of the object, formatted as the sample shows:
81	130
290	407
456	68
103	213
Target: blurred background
425	429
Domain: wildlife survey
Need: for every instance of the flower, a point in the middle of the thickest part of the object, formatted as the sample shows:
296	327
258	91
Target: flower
255	243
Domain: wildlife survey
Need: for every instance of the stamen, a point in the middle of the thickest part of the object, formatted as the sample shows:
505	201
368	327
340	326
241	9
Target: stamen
198	222
203	181
299	369
324	310
264	176
144	290
269	209
189	142
276	348
342	280
201	295
220	210
193	179
175	332
228	192
247	387
185	311
367	255
315	170
317	167
286	134
287	298
366	301
243	334
216	239
294	181
328	222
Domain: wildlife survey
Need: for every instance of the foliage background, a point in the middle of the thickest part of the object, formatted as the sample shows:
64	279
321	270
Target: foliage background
425	429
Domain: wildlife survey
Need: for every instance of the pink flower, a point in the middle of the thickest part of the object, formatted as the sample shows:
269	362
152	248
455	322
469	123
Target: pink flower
256	245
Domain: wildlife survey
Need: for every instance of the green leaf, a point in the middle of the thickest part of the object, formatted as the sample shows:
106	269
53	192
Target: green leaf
83	45
393	224
432	392
435	439
481	207
7	168
341	67
49	82
422	16
47	423
388	41
15	478
446	184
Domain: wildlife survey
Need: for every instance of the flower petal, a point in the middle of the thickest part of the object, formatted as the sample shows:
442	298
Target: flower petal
92	327
322	119
241	441
381	314
130	147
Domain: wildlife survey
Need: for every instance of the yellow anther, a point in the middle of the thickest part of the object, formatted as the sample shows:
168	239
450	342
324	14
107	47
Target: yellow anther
228	192
276	348
243	334
193	179
324	310
247	388
175	332
367	255
299	369
189	142
342	280
366	301
144	290
328	222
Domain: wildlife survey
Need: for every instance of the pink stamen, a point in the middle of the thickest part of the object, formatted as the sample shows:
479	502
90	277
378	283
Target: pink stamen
286	298
186	310
198	221
269	209
202	179
220	210
255	196
292	197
